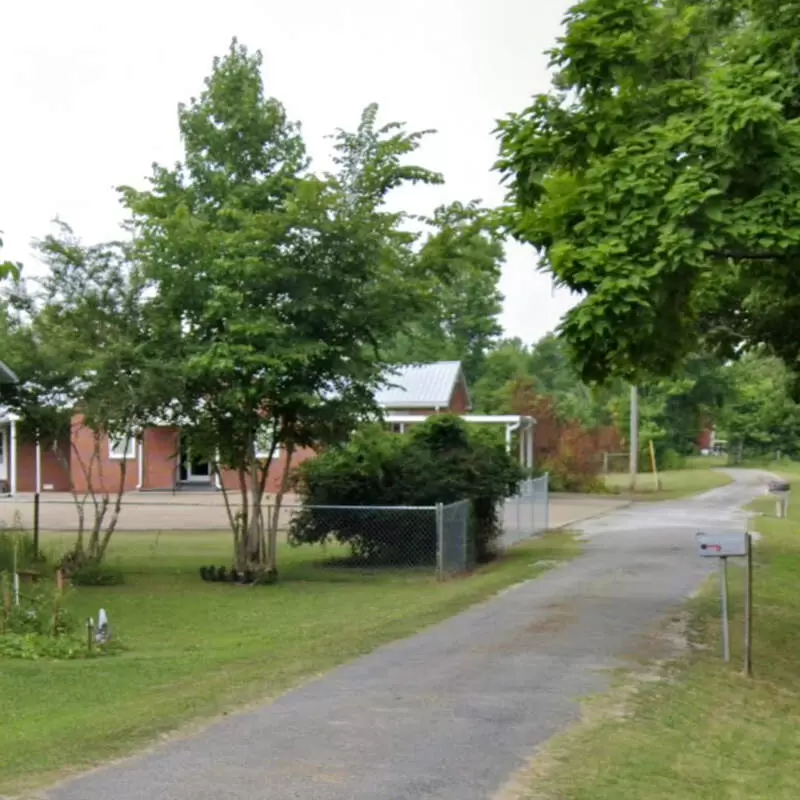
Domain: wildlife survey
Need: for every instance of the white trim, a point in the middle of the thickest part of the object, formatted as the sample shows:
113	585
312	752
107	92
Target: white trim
4	435
38	479
113	453
513	422
479	419
12	459
140	471
217	472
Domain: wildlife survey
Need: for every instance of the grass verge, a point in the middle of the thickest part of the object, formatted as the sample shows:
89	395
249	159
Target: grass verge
700	729
674	484
196	649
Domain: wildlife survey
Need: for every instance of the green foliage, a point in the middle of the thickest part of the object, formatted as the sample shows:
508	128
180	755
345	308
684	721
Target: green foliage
277	290
92	573
9	269
660	179
464	250
36	647
27	558
761	415
442	460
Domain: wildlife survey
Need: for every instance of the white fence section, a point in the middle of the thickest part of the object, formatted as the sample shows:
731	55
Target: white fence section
528	513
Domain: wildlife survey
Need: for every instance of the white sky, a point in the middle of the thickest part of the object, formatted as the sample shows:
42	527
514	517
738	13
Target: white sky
89	89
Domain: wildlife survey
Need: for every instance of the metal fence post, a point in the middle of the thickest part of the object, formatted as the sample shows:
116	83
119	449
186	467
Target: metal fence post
440	540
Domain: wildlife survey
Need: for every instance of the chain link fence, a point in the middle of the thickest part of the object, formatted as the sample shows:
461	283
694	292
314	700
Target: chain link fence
455	546
528	512
438	537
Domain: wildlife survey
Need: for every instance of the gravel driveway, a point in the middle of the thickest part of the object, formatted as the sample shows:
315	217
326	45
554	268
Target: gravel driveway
452	712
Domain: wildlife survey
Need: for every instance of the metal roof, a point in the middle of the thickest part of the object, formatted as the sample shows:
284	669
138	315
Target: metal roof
420	386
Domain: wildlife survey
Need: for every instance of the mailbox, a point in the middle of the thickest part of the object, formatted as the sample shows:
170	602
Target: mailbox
778	487
722	545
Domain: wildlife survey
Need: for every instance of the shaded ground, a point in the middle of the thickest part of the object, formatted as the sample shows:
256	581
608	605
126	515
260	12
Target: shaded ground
452	712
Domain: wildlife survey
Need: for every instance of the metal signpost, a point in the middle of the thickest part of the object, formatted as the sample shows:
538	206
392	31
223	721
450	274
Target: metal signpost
724	546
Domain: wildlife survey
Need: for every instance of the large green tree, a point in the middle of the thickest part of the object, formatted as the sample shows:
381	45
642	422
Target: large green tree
276	289
760	418
660	179
465	250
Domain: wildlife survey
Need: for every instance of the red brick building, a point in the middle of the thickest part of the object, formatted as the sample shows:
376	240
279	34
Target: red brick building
157	459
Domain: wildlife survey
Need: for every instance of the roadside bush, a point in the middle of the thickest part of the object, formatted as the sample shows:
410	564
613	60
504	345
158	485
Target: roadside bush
442	460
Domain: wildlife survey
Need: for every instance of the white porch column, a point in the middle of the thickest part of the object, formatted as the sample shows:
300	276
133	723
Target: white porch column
508	438
38	480
523	432
530	430
140	465
217	472
12	458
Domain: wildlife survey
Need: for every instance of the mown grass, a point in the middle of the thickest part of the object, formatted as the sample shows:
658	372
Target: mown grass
195	649
704	730
672	485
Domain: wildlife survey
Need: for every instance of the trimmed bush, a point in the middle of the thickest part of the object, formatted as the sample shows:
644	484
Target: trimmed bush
441	460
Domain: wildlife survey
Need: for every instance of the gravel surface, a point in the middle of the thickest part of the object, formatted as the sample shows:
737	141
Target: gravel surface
454	711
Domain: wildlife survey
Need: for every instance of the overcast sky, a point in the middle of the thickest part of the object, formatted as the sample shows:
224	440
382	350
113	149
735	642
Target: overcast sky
89	91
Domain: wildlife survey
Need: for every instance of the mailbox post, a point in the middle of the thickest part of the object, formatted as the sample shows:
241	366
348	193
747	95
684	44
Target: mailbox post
724	546
780	489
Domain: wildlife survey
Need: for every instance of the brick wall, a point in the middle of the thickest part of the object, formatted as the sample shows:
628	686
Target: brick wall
55	473
230	479
161	454
105	471
459	402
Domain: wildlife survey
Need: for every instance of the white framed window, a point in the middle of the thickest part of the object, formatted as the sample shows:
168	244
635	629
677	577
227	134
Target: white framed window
122	447
264	444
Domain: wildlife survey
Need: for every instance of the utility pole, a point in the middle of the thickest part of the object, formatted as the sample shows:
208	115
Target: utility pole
634	437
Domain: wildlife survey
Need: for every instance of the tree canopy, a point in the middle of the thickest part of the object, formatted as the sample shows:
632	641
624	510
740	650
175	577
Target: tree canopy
277	291
660	178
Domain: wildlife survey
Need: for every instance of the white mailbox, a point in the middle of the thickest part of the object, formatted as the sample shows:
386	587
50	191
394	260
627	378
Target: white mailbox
722	545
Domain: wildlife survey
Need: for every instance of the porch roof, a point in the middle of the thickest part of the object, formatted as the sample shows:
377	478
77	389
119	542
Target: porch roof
7	375
520	420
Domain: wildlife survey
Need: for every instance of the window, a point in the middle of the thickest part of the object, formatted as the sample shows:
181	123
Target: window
117	447
264	444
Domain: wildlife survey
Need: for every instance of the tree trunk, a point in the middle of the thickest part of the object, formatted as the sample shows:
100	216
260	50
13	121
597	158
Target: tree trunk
274	522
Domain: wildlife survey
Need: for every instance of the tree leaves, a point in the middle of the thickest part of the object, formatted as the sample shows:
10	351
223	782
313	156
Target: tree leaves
661	179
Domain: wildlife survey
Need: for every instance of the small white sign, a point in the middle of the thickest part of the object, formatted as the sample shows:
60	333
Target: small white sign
722	545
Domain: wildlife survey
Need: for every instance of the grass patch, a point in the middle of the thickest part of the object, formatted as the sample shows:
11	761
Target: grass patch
674	484
195	649
702	730
706	462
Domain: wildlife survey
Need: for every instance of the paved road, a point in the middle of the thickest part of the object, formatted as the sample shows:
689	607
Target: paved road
453	712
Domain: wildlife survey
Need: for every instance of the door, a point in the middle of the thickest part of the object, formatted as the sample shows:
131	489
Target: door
193	470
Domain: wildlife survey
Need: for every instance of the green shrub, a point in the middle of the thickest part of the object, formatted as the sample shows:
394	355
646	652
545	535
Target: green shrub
41	611
442	460
92	573
36	647
669	459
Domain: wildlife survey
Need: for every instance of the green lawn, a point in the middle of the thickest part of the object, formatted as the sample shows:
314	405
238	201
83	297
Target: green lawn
673	484
703	731
195	649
